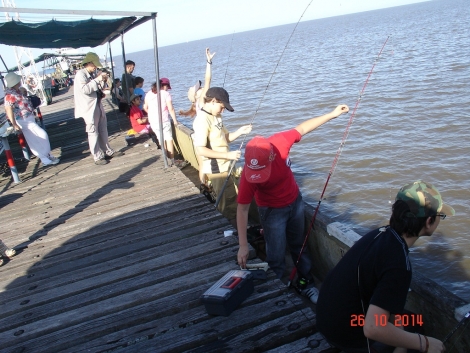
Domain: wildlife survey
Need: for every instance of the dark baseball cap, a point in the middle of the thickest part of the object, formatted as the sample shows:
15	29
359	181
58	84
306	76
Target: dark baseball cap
220	94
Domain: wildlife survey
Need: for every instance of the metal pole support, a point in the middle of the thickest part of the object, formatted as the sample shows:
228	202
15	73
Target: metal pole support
40	118
11	161
24	148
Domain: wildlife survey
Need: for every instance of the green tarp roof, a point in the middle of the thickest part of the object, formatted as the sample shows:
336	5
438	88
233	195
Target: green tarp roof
63	34
50	59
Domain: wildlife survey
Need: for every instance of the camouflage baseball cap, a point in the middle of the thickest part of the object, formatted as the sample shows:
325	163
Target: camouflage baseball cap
424	200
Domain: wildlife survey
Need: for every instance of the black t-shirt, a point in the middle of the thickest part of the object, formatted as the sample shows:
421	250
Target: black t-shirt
384	277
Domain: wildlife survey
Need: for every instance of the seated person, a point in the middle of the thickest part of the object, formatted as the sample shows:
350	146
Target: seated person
116	93
362	300
139	123
139	82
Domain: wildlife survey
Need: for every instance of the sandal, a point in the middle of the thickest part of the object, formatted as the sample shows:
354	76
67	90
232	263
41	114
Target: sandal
181	164
208	192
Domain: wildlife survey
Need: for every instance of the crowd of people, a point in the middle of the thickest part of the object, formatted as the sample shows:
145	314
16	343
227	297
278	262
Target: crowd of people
370	281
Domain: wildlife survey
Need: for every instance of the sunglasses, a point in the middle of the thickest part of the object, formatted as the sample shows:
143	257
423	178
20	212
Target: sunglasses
443	216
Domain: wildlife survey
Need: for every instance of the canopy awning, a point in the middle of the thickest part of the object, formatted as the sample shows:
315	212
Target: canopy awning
50	58
65	34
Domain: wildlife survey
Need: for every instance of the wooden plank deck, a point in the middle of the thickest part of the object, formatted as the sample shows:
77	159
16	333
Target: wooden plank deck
115	258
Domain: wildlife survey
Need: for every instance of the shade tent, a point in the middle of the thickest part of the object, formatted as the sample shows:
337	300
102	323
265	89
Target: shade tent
49	57
77	34
62	34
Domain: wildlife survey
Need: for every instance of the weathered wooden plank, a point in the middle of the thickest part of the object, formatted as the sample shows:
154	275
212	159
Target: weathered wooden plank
315	343
122	273
181	319
81	324
117	248
275	320
127	213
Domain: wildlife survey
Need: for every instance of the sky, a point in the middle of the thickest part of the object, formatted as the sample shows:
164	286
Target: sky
180	21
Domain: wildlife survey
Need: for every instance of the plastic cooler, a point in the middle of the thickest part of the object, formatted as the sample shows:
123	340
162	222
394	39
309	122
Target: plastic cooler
228	293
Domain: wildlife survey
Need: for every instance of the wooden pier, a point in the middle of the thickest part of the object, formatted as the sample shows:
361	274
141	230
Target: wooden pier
116	257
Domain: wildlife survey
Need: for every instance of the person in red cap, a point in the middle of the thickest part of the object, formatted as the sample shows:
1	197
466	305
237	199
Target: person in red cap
211	139
267	177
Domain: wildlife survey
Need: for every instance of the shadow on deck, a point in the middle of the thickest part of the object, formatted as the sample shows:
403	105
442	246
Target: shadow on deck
116	257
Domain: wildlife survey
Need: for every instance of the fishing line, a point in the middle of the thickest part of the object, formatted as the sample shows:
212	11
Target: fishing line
233	162
335	162
228	60
391	200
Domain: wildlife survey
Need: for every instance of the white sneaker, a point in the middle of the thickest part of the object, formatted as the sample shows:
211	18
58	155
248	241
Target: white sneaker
310	293
10	252
54	160
307	289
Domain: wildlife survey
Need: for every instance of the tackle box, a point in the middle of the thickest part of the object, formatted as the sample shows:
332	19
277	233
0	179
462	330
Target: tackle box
228	293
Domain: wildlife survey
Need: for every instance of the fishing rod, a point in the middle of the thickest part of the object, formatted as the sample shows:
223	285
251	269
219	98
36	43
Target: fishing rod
461	322
228	60
335	162
232	164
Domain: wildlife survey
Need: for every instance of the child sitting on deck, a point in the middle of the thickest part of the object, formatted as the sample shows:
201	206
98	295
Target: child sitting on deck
139	123
139	82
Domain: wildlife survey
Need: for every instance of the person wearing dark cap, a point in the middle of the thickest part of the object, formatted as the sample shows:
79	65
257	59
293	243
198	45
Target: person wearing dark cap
362	299
88	97
211	139
267	176
128	80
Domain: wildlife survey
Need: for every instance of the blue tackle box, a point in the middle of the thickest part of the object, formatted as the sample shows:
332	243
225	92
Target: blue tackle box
228	293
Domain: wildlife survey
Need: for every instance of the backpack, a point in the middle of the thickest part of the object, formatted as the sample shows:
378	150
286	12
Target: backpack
35	101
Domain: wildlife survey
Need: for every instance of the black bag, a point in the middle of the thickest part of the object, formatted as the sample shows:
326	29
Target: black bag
35	101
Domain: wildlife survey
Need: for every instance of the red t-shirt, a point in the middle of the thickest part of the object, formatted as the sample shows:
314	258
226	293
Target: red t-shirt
135	114
281	189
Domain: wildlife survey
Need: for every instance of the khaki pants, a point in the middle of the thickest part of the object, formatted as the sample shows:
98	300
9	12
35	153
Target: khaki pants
228	203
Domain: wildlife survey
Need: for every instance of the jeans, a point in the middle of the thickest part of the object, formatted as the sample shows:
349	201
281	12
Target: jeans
285	226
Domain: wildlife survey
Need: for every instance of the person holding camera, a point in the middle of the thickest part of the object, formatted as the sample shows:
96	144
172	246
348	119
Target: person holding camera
88	94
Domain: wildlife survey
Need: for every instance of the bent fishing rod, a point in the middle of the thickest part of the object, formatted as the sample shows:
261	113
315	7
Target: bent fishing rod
335	162
233	162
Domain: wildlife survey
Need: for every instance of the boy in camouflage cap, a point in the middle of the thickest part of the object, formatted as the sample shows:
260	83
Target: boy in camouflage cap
372	279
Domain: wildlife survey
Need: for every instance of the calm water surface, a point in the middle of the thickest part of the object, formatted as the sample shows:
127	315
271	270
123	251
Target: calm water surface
412	122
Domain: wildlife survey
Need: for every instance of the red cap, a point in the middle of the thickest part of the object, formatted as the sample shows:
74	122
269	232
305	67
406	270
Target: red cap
259	155
165	81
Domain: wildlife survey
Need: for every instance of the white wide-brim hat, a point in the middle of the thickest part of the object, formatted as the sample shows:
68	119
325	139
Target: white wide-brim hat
12	79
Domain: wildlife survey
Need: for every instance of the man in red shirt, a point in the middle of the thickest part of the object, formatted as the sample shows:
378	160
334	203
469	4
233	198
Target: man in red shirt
267	177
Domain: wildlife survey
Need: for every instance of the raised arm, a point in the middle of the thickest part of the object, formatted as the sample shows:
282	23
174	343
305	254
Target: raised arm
312	124
207	77
86	86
